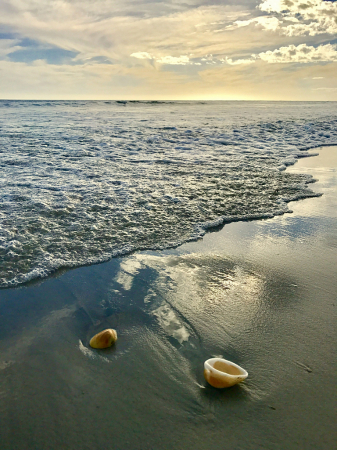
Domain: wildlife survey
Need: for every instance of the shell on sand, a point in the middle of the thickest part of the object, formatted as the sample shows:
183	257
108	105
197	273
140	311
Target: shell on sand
104	339
221	373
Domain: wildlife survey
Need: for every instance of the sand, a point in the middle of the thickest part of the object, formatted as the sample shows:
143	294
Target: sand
260	293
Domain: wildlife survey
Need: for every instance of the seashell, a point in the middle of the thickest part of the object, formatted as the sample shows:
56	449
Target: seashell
221	373
104	339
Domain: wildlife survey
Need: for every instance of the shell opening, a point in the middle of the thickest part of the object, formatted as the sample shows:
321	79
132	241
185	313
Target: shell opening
226	368
222	367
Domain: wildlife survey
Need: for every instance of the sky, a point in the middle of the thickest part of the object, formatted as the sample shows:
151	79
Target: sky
168	49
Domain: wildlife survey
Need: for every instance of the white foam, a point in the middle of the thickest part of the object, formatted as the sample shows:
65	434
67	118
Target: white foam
85	181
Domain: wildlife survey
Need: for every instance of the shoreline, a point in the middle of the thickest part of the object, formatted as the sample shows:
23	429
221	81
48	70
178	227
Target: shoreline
201	229
260	293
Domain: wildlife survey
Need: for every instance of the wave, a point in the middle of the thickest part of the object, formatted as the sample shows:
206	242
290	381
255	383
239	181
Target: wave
82	185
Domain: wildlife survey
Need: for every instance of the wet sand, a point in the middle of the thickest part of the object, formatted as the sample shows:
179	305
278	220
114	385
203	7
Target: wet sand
260	293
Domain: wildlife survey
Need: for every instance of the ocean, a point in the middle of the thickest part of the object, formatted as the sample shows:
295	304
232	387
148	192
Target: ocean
84	181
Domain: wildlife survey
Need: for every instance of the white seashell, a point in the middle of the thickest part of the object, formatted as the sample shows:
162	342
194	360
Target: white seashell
221	373
104	339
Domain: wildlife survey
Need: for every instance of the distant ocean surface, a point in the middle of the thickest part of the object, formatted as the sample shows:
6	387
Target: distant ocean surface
83	181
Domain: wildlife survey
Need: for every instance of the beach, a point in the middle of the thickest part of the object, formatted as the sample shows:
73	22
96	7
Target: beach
260	293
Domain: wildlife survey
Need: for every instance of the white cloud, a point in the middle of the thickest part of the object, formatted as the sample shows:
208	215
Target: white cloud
272	6
237	62
287	54
142	55
300	54
296	17
172	60
267	23
181	60
309	17
292	54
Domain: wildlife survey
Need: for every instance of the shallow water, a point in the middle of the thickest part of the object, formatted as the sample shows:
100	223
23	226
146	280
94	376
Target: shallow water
84	181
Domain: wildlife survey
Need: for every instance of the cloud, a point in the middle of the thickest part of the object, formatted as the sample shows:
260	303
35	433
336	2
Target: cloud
180	60
295	17
237	62
142	55
292	54
172	60
300	54
267	23
309	17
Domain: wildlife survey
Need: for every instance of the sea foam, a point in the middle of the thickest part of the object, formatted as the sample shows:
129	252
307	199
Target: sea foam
85	181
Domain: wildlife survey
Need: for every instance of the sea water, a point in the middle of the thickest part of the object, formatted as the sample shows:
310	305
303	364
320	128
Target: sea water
83	181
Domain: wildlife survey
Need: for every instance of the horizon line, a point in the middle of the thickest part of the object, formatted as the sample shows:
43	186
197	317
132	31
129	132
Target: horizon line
160	100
